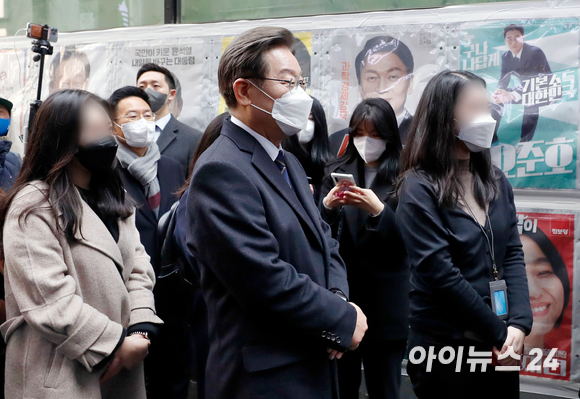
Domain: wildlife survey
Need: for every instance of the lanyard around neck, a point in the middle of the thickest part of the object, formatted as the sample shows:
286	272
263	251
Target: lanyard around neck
490	243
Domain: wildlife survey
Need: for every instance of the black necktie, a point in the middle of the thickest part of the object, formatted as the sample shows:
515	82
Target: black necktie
281	164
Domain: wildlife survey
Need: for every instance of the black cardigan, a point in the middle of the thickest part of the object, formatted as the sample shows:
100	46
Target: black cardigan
451	265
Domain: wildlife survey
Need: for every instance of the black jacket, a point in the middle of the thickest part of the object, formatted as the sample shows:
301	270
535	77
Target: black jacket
10	164
267	262
374	253
451	265
171	178
336	139
178	142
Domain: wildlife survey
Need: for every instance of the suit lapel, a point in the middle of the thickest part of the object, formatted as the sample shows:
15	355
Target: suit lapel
168	134
264	164
164	187
302	190
136	192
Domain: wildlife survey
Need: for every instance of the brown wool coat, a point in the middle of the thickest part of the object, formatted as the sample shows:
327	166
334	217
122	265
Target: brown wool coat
67	303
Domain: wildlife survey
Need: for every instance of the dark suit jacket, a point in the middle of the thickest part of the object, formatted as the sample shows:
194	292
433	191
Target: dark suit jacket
171	178
532	62
374	253
336	139
178	142
267	262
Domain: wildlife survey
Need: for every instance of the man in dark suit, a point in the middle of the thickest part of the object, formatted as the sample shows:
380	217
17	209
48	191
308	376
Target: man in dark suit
522	61
271	275
175	139
384	68
151	180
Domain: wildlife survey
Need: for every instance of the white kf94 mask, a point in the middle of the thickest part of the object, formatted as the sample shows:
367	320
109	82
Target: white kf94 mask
478	134
291	111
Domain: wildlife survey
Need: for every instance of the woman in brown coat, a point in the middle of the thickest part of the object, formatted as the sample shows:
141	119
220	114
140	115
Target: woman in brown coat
78	282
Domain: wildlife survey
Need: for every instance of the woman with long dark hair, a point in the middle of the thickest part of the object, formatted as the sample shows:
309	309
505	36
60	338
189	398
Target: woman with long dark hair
362	218
78	281
458	221
311	147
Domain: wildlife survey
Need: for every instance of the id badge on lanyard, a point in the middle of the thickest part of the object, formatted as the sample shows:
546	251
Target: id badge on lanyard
497	288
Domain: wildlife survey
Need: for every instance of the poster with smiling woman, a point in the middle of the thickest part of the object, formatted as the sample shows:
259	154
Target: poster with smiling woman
548	244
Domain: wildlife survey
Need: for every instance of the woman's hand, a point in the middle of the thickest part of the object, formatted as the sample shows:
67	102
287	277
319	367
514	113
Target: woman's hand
335	197
365	199
132	352
515	338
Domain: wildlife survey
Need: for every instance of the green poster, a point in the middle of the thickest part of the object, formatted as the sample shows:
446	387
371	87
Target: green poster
531	70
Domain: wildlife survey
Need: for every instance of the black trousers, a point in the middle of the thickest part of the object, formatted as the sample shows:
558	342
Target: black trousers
382	367
444	382
529	121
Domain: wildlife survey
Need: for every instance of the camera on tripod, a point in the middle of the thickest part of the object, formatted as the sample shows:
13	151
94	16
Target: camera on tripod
43	35
41	32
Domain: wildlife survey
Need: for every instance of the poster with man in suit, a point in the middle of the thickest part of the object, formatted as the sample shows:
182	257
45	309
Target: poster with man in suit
531	70
378	63
523	61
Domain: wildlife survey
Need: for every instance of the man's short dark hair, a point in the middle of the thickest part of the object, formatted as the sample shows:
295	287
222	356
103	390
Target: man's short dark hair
381	45
511	27
68	53
151	67
123	93
243	57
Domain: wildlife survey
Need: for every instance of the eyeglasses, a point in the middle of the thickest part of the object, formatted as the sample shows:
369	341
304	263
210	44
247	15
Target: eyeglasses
293	83
135	116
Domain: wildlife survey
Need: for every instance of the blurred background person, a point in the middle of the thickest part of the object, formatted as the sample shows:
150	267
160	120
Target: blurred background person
69	69
10	162
151	180
80	305
190	341
548	284
362	218
175	139
458	220
384	69
311	147
176	106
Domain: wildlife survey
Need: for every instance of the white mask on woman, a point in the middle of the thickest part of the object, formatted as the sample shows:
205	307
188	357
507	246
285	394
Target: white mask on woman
478	134
306	135
138	134
369	148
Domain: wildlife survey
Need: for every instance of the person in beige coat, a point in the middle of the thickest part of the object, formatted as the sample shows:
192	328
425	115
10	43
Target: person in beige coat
78	282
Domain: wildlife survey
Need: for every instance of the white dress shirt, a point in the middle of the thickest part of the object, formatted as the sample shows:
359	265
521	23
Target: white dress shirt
160	125
270	148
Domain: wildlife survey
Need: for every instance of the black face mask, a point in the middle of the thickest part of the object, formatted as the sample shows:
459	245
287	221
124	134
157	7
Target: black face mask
156	99
98	156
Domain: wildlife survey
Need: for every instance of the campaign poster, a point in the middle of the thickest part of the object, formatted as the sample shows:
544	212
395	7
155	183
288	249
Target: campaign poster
393	63
302	52
13	88
77	66
183	57
548	244
531	70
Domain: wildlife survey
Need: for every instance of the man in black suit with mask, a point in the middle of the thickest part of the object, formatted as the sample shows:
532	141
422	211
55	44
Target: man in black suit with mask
384	69
175	139
523	61
274	283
